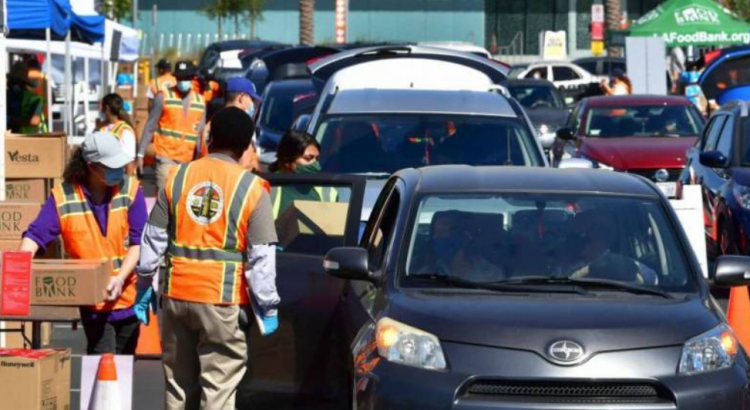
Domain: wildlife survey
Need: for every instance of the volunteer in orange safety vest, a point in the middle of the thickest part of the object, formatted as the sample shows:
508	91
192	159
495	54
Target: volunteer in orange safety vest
175	124
214	223
99	212
114	119
164	80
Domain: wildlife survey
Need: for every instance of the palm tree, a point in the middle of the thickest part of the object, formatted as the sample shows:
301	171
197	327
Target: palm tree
613	8
307	22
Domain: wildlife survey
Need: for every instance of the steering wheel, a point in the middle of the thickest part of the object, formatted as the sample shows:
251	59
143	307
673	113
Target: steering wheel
541	104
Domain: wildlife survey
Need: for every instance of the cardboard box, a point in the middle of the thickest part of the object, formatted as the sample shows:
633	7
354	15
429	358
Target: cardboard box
69	282
35	156
125	92
35	379
311	221
27	190
15	217
16	340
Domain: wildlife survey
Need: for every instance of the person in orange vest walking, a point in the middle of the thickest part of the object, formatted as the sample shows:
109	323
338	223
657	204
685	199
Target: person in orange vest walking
163	80
175	124
100	213
115	120
214	223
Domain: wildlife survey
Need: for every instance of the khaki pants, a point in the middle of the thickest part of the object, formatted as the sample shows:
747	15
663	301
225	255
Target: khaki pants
204	355
162	168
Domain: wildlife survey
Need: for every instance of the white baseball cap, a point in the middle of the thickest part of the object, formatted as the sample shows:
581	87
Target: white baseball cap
105	149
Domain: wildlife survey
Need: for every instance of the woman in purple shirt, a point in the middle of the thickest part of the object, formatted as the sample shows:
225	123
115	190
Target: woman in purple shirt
100	213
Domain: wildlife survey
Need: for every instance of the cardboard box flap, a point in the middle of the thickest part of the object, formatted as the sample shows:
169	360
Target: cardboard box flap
307	221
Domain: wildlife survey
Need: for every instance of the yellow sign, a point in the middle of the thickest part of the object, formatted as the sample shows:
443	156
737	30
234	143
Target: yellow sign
554	45
597	48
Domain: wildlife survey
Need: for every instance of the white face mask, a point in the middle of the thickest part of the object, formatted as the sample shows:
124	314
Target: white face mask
184	86
251	110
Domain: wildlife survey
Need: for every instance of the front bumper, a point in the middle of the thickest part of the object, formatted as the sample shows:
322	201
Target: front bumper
390	386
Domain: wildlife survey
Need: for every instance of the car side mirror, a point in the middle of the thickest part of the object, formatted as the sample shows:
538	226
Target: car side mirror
348	263
565	134
732	270
714	159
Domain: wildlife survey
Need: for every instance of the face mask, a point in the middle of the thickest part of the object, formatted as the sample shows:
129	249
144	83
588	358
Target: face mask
251	111
184	86
446	248
309	168
114	176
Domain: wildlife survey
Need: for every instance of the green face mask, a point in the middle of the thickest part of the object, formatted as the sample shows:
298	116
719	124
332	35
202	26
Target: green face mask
308	169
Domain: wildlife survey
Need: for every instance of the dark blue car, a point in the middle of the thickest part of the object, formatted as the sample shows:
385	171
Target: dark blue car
719	163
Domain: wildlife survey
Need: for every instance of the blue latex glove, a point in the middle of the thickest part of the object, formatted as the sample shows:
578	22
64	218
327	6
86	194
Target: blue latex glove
271	324
143	299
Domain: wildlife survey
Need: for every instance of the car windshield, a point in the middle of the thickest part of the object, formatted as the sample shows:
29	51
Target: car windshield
278	105
536	96
497	238
643	121
386	143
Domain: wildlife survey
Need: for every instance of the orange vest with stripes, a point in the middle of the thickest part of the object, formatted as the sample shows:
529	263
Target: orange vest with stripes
162	82
83	238
177	135
118	128
210	203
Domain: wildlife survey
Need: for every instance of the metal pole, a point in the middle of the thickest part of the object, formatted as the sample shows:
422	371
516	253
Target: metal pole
48	35
179	44
86	95
187	46
3	96
102	74
68	108
572	27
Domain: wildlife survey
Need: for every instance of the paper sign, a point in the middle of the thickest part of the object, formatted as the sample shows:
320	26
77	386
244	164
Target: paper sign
15	298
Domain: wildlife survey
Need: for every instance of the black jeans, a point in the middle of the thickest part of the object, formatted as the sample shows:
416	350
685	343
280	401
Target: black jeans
119	337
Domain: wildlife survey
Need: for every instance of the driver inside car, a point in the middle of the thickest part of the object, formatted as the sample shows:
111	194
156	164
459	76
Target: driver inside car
452	251
597	257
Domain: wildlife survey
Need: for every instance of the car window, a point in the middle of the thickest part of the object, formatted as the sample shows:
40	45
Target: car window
589	66
745	143
561	73
495	237
277	112
574	119
310	219
536	96
538	73
726	138
386	143
643	121
382	232
714	132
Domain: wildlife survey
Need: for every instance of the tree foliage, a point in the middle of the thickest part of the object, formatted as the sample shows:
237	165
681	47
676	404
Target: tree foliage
739	7
117	10
240	11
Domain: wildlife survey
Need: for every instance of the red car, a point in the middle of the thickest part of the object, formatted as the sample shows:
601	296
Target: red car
647	135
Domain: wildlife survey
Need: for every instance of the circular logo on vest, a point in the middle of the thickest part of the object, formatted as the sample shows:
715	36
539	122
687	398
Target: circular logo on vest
205	203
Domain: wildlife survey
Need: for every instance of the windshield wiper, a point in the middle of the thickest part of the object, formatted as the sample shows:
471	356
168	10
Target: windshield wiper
501	286
586	282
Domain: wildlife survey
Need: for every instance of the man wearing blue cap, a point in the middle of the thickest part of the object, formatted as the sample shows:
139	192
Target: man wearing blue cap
240	93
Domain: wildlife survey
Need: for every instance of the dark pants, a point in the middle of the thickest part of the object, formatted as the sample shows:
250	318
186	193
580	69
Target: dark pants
118	337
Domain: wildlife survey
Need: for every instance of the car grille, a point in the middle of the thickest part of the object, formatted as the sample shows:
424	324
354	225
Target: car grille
570	391
674	173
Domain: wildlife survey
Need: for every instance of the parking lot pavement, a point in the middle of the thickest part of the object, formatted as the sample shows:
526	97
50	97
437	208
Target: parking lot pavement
148	381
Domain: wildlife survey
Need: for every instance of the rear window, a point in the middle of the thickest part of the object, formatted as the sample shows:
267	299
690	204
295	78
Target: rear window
643	121
536	96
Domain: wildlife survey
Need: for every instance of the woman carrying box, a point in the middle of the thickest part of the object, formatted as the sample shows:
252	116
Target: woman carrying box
100	213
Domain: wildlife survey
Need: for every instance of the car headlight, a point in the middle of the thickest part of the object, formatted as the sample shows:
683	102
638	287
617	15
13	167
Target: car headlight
403	344
711	351
742	196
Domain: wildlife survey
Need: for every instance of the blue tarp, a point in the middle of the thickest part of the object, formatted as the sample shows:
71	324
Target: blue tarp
89	29
39	15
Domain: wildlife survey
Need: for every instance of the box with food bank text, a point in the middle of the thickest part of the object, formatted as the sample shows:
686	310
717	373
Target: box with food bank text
15	218
56	282
35	379
27	190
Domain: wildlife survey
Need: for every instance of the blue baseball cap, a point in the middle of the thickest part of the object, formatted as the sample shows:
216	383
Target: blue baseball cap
242	85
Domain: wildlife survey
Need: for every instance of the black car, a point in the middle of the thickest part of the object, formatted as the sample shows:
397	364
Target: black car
543	103
495	287
277	112
720	163
601	66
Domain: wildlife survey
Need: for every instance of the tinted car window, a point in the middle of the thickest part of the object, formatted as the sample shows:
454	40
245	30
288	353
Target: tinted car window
564	74
539	72
386	143
727	138
745	143
496	237
589	66
643	121
278	105
713	133
536	96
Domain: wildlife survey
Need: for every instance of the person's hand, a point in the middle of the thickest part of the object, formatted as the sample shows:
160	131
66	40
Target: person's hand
140	165
270	325
143	299
114	288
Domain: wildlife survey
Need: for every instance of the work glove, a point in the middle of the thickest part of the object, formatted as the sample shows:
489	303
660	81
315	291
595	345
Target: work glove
270	325
114	288
143	299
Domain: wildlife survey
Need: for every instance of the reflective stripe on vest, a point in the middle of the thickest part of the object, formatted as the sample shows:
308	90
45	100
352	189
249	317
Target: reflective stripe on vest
118	128
210	203
177	135
325	193
83	239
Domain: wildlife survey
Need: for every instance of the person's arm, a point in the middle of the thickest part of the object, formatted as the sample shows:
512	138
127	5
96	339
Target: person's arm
137	215
128	143
44	229
201	146
151	125
260	269
154	242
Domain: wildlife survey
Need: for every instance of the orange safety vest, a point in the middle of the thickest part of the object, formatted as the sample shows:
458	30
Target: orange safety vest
83	238
162	82
177	135
210	204
118	128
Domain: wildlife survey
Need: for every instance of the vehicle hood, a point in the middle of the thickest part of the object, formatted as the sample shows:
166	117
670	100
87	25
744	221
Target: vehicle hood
637	153
553	118
533	322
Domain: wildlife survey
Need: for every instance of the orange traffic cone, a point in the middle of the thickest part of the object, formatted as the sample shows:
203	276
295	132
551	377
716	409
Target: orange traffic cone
149	340
106	390
738	314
